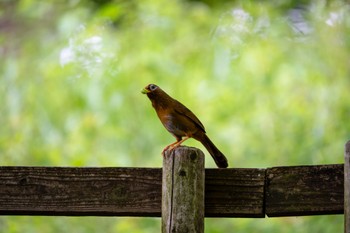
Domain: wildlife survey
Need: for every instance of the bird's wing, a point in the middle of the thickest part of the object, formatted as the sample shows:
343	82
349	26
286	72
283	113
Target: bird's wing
190	115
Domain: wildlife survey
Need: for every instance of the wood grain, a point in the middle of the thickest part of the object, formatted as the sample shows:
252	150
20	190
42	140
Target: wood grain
305	190
183	191
234	192
80	191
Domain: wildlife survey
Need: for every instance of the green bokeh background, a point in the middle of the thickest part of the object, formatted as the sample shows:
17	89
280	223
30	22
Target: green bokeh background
269	80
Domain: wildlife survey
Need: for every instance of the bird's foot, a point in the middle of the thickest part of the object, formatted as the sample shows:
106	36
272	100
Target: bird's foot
165	149
170	148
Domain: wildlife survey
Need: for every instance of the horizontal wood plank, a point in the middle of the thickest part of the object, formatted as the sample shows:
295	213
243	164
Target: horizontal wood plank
80	191
121	191
235	192
305	190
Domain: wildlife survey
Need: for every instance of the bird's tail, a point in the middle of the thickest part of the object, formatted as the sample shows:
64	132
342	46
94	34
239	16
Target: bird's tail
218	157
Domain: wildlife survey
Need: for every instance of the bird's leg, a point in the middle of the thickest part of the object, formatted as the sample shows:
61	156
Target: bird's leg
172	146
178	142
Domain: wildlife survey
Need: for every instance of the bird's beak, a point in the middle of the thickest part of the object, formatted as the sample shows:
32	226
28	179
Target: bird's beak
145	91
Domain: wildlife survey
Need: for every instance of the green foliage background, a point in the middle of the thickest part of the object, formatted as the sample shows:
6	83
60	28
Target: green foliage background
270	91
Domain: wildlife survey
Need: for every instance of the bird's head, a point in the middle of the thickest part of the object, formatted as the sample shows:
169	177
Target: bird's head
156	94
149	88
152	90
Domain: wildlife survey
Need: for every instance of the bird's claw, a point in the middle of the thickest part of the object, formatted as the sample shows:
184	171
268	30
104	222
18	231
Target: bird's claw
169	148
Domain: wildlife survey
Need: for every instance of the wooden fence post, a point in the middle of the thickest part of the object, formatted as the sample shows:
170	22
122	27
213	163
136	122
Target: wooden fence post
347	188
183	191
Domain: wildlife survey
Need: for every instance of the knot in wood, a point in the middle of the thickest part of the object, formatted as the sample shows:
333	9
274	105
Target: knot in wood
23	181
182	172
193	156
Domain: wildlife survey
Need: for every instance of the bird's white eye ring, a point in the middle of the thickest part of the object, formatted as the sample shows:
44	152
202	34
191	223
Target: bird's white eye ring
152	87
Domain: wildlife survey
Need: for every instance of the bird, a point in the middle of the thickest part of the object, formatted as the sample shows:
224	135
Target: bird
181	122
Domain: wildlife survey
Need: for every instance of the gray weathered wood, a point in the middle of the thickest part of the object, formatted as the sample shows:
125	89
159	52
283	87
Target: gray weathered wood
80	191
183	191
347	188
232	192
305	190
124	191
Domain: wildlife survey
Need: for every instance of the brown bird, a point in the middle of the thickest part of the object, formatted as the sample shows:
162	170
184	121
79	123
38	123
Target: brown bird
181	122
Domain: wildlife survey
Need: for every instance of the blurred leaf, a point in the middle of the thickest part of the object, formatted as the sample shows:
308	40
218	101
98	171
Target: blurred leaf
269	80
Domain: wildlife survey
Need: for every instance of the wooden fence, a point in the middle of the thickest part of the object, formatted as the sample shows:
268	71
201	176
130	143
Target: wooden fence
182	188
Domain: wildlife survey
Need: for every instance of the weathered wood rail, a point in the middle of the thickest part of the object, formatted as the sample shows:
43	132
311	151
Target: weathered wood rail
182	188
233	192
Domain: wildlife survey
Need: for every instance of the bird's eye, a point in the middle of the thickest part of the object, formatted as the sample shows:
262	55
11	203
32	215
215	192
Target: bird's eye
152	87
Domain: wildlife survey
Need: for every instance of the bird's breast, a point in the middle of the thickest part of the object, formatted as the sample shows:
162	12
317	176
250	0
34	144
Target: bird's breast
171	123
